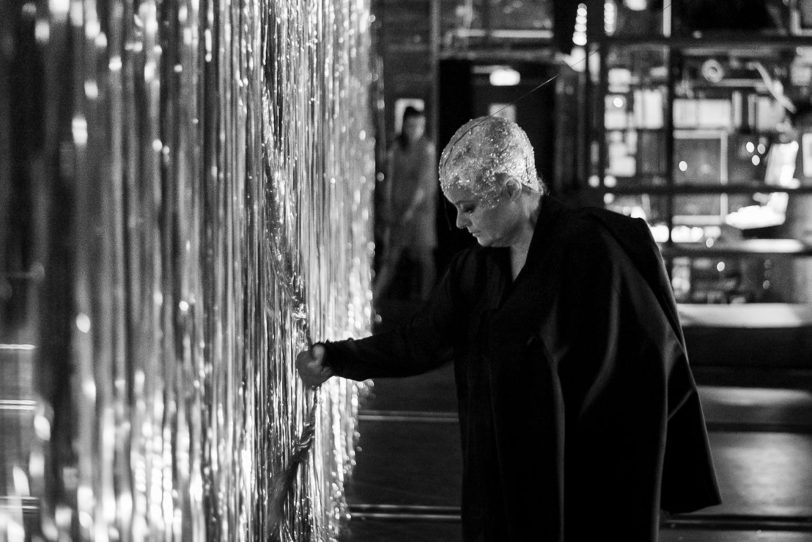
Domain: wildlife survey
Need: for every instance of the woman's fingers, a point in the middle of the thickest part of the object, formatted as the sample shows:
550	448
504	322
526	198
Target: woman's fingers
309	364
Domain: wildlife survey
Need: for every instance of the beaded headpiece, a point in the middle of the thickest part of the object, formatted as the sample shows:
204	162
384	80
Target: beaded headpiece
482	154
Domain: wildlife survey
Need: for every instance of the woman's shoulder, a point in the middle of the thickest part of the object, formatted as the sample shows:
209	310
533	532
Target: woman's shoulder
590	236
589	223
577	225
601	239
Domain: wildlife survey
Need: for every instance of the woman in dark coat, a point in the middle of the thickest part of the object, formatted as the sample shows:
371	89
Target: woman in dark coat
579	415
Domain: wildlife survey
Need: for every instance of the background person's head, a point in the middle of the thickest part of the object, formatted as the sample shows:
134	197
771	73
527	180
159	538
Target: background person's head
414	125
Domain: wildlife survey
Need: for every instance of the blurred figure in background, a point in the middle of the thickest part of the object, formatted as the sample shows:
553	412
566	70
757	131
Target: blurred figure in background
409	208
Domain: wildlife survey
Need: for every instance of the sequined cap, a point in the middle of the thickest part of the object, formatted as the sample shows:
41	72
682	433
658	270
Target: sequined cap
482	154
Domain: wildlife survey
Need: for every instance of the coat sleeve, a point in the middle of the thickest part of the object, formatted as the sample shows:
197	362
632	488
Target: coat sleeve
688	481
422	344
615	348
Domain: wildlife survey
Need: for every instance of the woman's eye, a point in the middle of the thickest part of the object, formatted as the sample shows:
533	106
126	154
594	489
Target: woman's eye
468	209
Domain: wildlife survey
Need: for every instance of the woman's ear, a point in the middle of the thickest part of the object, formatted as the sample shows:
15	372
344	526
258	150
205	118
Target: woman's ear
513	187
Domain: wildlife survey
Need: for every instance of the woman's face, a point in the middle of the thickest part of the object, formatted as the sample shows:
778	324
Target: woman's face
494	225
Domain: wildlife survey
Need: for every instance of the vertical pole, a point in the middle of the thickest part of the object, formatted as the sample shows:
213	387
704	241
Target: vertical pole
434	44
673	66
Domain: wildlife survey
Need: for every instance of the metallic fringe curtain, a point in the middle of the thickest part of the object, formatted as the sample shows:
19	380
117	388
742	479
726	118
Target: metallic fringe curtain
185	204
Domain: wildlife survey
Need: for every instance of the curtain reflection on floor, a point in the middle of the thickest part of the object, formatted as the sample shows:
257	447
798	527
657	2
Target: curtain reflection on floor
185	202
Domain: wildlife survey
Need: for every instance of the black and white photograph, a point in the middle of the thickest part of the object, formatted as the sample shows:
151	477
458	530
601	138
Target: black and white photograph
405	270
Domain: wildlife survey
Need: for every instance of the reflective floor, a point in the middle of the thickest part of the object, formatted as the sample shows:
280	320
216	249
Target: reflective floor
405	486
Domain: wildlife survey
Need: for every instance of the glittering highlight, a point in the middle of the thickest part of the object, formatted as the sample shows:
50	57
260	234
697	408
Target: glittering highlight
201	186
482	154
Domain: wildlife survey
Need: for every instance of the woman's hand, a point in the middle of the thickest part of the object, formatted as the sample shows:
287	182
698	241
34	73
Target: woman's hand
310	364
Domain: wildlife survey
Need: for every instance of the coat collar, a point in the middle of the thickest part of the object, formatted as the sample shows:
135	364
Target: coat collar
550	213
550	210
546	224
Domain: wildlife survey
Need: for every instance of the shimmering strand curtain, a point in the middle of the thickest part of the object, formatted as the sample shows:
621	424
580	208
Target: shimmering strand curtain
202	190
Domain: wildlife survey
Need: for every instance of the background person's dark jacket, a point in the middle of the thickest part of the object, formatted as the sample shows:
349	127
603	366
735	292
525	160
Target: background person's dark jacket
579	414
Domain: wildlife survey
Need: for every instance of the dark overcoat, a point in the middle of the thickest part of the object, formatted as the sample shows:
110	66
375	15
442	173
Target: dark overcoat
579	414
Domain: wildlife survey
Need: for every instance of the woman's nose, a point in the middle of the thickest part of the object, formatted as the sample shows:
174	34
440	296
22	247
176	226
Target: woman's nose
462	221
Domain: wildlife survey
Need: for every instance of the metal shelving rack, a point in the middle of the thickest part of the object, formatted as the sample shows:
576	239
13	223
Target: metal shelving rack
674	50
